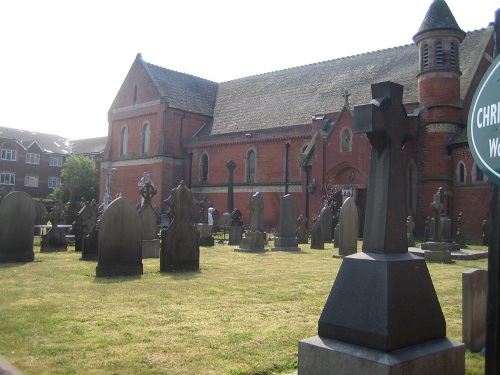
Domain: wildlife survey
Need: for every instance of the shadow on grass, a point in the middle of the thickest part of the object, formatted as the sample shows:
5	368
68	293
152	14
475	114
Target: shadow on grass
115	279
181	274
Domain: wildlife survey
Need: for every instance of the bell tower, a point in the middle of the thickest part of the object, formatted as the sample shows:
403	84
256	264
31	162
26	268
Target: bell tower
438	42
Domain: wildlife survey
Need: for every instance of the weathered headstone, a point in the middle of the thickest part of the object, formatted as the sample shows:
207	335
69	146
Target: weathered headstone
286	240
120	244
54	240
474	304
204	227
382	299
317	236
348	229
336	235
17	221
253	242
302	233
484	228
149	216
235	227
410	226
90	249
440	229
180	249
85	221
326	219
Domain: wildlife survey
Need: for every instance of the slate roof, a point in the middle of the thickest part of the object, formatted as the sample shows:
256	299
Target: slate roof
438	17
292	96
89	145
50	143
183	91
54	144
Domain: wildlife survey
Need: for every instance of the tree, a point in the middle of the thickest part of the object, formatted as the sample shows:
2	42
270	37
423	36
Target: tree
79	180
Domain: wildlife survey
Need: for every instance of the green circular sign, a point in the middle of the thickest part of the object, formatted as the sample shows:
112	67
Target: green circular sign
483	127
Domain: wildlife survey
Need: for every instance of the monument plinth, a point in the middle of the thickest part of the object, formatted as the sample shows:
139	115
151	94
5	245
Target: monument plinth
383	299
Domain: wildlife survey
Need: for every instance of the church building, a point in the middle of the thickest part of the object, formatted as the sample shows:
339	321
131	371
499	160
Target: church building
291	131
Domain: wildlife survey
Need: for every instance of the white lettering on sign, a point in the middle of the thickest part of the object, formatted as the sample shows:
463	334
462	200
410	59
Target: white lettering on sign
494	148
489	115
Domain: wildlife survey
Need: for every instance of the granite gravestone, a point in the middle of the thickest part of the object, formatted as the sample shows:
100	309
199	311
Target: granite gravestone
383	299
302	233
253	242
149	216
204	227
235	227
317	236
120	243
54	240
180	245
326	219
17	222
85	221
348	229
286	239
474	305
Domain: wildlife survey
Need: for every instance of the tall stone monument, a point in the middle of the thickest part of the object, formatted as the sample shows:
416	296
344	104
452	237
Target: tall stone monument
180	245
253	242
286	240
149	216
383	314
17	222
348	228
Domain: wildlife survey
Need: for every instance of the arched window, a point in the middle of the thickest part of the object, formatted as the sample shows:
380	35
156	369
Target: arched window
461	173
251	161
146	135
425	57
439	55
345	140
123	141
453	55
204	168
412	188
478	174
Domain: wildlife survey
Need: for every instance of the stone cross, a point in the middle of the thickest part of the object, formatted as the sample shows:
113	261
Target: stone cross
205	205
148	192
437	208
387	126
256	207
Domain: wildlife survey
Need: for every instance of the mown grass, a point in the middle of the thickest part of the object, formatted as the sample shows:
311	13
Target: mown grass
240	314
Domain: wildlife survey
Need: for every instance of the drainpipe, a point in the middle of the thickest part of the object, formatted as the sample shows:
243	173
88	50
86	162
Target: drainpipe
287	151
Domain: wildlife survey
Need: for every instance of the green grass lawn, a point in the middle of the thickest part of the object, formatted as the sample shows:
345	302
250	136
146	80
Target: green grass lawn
242	313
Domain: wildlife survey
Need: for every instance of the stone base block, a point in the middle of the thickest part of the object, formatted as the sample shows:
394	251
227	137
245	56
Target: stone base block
252	243
285	249
443	256
150	249
440	246
323	356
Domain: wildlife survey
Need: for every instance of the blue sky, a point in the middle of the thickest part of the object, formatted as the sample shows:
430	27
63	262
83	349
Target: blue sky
64	61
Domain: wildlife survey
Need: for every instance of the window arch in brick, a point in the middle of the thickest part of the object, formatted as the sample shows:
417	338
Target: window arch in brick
453	55
145	138
123	140
204	166
439	55
425	57
478	176
461	173
251	165
346	140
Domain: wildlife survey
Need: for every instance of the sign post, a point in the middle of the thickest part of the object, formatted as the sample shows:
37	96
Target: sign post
483	131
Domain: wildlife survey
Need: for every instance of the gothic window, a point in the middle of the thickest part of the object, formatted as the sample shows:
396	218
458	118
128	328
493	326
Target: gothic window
146	135
461	173
123	141
439	55
453	55
204	168
251	161
478	174
346	140
425	57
